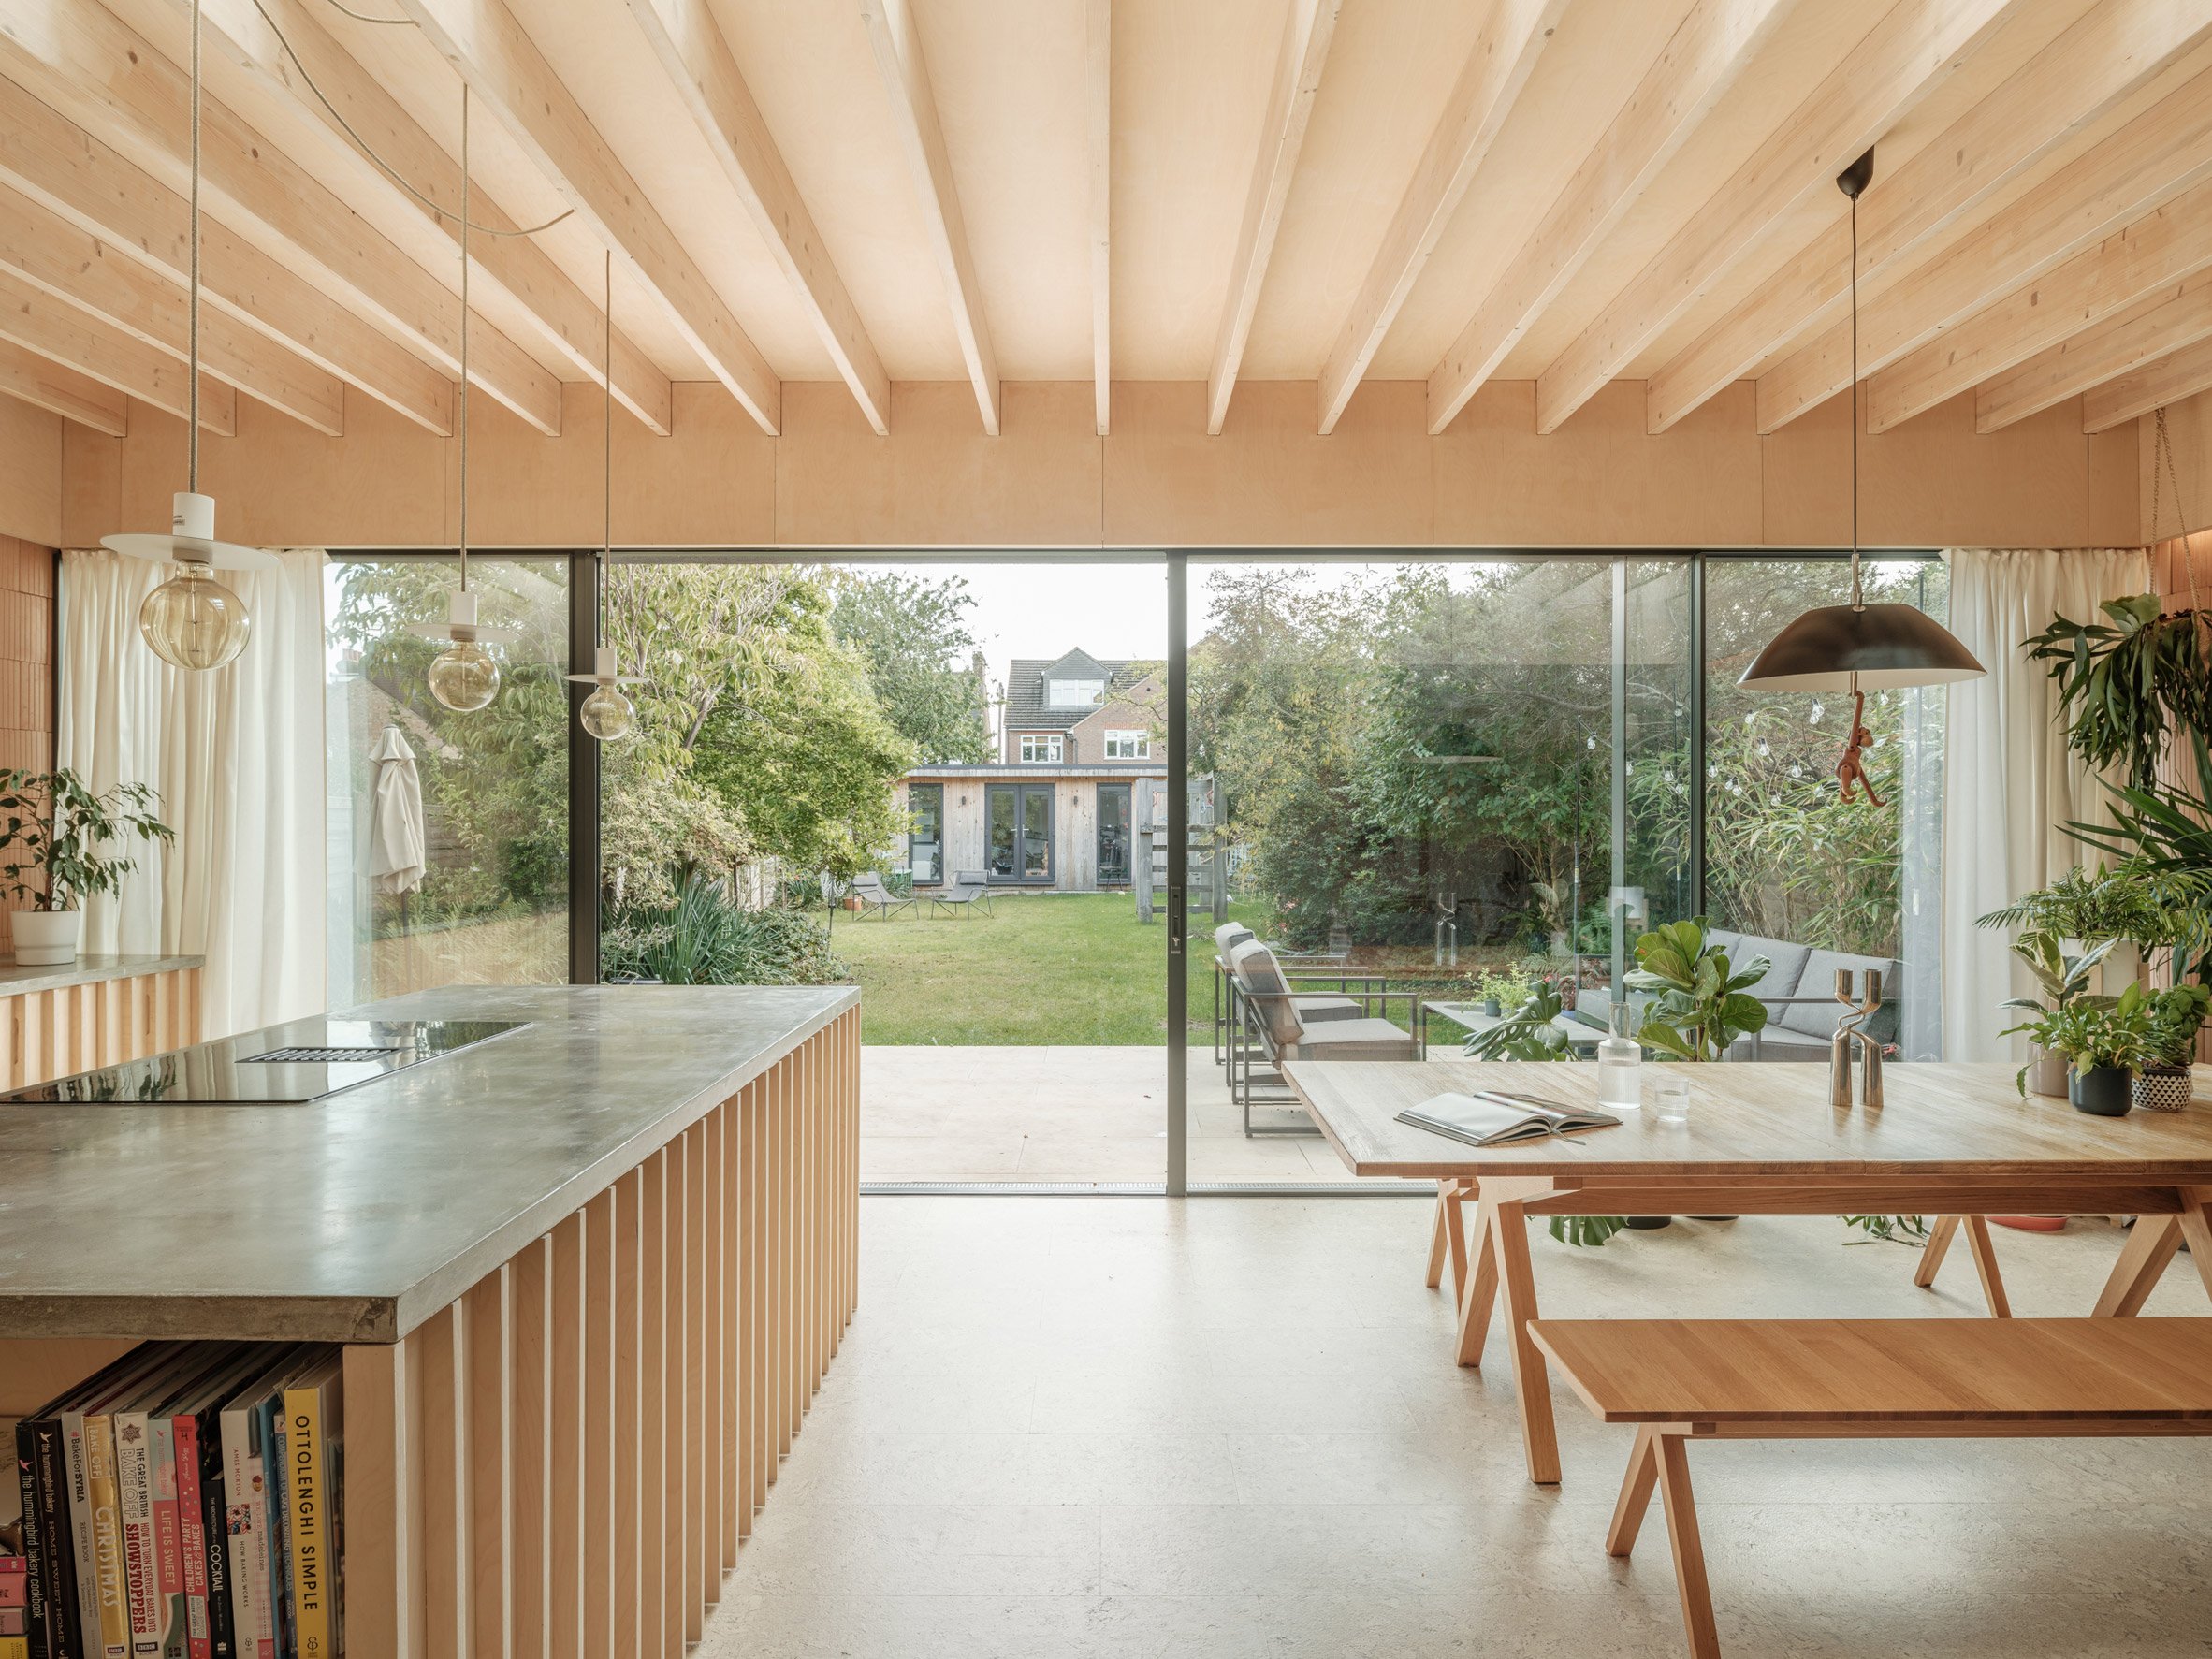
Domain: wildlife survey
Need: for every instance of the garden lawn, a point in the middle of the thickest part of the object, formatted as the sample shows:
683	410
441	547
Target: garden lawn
1074	967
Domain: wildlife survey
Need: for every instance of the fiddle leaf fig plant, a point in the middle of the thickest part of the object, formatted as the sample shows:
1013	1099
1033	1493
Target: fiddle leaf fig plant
1701	1002
53	825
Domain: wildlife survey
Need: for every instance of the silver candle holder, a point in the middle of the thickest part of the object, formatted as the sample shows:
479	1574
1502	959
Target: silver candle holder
1850	1034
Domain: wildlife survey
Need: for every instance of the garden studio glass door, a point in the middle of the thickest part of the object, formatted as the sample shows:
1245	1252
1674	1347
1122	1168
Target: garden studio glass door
1114	834
1021	819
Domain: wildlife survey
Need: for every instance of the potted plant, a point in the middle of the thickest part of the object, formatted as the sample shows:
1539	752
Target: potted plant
2161	1081
2140	910
2104	1044
54	832
2063	980
1701	1001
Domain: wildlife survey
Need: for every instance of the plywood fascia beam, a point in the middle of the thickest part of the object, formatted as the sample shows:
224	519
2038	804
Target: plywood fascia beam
1910	52
913	112
565	318
1299	61
48	252
487	45
698	63
1699	64
2106	55
2148	161
32	379
2145	332
102	75
83	181
62	333
2162	248
1506	54
2178	374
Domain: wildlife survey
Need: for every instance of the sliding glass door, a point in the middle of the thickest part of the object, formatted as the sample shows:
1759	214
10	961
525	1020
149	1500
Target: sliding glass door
1021	819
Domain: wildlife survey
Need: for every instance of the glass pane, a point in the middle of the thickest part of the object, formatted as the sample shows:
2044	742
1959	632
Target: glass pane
1002	831
1786	860
1113	833
925	802
488	902
1037	834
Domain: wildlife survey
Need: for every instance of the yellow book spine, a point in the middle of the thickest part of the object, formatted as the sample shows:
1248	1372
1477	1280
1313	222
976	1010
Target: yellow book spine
113	1592
308	1491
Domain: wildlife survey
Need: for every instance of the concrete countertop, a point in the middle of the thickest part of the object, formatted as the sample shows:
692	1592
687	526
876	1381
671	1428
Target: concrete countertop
355	1217
87	971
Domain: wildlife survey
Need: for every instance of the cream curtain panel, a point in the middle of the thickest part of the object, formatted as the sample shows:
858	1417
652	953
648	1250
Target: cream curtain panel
2009	781
236	756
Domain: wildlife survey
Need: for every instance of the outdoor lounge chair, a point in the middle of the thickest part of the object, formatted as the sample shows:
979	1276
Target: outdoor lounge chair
1312	1007
970	890
1270	1012
877	899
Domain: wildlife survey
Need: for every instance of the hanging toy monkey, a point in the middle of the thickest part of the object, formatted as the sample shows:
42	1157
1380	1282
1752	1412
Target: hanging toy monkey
1850	774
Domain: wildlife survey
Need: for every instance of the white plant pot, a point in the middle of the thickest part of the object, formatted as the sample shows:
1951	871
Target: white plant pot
46	939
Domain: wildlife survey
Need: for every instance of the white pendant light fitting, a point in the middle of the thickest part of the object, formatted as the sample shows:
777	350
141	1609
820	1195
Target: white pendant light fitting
606	713
192	620
464	677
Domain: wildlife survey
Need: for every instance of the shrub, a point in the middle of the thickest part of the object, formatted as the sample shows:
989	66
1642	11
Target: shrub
706	938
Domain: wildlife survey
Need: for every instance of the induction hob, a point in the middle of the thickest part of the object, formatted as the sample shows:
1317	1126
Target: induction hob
288	1065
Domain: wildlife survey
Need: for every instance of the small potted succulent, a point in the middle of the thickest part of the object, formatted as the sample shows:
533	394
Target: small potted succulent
2104	1045
2161	1081
54	835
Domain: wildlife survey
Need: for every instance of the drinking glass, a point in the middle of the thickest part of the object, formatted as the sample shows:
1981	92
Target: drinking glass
1671	1096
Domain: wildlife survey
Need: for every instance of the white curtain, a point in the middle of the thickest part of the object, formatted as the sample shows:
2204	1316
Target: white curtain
2009	781
237	757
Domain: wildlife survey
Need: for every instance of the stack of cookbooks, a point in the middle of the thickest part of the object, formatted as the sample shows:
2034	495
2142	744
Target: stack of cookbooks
183	1503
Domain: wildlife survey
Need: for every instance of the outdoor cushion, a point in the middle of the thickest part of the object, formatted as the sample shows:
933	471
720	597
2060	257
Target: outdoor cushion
1261	977
1317	1008
1819	1019
1227	937
1354	1040
1725	940
1787	963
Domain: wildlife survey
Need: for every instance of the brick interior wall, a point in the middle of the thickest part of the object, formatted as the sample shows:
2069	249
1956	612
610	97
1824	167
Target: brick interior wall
26	654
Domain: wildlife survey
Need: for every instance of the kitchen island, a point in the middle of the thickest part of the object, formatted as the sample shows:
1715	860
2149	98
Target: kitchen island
588	1274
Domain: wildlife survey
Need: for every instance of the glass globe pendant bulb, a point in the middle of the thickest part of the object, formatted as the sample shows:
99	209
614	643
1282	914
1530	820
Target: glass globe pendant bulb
465	676
607	715
193	622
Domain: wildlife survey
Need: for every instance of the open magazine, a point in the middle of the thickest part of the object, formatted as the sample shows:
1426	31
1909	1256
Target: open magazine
1494	1117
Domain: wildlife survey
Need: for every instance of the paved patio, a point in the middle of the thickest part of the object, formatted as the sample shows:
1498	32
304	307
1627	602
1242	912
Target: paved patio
1037	1113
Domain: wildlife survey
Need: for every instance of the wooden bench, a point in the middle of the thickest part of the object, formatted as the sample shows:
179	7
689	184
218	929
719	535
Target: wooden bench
1872	1379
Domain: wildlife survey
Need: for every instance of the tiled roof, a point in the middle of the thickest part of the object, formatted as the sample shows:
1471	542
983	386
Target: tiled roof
1026	678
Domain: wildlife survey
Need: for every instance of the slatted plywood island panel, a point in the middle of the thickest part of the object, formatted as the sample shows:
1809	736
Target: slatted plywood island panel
564	1461
100	1011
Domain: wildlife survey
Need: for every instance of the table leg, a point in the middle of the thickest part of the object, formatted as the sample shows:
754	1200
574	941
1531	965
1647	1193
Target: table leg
1479	1290
1977	1236
1689	1548
1931	1253
2150	1246
1448	1239
1540	1435
2196	1228
1636	1492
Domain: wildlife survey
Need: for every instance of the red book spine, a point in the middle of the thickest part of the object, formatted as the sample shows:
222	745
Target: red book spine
192	1529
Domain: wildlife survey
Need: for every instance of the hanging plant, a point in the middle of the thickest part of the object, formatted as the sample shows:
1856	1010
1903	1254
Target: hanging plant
2126	686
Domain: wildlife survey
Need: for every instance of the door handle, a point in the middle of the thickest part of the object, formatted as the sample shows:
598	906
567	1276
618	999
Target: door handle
1178	921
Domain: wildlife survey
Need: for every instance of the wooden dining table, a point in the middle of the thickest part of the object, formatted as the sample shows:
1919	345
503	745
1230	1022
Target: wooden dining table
1952	1140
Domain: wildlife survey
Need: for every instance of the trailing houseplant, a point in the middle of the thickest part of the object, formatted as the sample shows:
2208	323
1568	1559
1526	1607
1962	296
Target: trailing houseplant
2105	1042
2161	1081
2128	684
55	839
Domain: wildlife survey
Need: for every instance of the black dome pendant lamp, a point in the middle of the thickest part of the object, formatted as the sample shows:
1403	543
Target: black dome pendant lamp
1858	647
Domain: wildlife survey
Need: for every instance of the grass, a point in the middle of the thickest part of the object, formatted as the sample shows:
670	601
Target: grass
1048	968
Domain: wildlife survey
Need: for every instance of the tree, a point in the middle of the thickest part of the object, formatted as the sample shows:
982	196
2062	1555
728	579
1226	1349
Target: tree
913	637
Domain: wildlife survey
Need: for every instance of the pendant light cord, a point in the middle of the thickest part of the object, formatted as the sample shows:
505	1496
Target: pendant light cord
464	340
606	462
1858	594
192	310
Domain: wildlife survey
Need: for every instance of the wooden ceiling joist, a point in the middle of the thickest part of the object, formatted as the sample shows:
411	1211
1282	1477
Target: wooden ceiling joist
48	251
2173	377
89	185
62	333
1916	44
504	68
1699	64
2143	333
83	60
1513	38
32	379
913	110
2162	248
697	60
567	319
2154	156
2106	55
1298	62
1099	139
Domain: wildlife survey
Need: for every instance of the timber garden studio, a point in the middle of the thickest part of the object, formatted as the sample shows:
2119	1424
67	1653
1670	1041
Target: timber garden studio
1106	829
